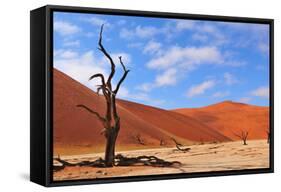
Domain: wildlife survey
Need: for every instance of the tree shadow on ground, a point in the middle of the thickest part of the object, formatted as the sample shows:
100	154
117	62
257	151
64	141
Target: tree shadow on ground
120	160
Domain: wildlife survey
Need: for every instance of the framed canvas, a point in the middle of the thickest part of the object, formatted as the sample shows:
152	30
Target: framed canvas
125	95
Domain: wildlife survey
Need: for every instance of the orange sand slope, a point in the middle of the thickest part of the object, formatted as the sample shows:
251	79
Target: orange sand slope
77	128
229	118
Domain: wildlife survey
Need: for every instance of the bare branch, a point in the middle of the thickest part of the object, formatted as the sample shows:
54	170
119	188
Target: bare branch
98	75
102	49
237	135
98	90
177	143
243	136
178	146
105	90
121	62
93	112
123	77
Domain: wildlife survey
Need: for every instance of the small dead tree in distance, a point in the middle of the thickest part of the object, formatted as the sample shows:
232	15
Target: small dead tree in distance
111	120
179	145
162	142
268	136
243	136
139	139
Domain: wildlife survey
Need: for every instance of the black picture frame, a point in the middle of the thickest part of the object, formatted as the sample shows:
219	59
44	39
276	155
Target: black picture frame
41	61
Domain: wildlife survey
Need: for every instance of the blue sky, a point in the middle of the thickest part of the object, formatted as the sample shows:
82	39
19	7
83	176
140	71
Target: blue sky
174	63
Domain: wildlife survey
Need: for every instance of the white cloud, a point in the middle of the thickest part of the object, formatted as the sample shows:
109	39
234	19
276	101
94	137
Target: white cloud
139	31
220	94
152	47
81	68
75	43
200	37
263	47
65	28
245	99
185	24
166	78
262	92
126	33
65	54
250	35
126	58
202	31
208	28
186	57
218	37
146	87
139	96
200	88
145	32
135	45
229	79
96	21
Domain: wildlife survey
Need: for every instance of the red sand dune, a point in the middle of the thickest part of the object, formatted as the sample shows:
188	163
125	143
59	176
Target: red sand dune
230	118
77	128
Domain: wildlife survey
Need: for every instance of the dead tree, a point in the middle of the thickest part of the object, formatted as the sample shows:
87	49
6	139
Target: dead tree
139	139
243	136
120	160
162	142
268	136
179	145
111	119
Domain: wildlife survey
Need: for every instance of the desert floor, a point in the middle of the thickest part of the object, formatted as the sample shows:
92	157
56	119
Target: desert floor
200	158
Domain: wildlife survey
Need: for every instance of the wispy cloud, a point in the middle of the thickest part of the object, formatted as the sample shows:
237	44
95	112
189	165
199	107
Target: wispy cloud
262	92
152	47
263	47
139	31
139	96
221	94
126	58
82	66
71	43
185	24
65	54
229	79
97	21
200	89
166	78
245	99
199	37
65	28
249	35
186	57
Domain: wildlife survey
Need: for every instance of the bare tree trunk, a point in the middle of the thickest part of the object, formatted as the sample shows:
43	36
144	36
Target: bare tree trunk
110	147
111	137
243	136
111	120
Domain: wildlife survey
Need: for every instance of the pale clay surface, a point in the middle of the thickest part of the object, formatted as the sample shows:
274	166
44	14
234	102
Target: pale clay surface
201	158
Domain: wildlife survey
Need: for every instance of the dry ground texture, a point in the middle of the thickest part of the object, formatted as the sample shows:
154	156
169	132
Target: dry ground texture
200	158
